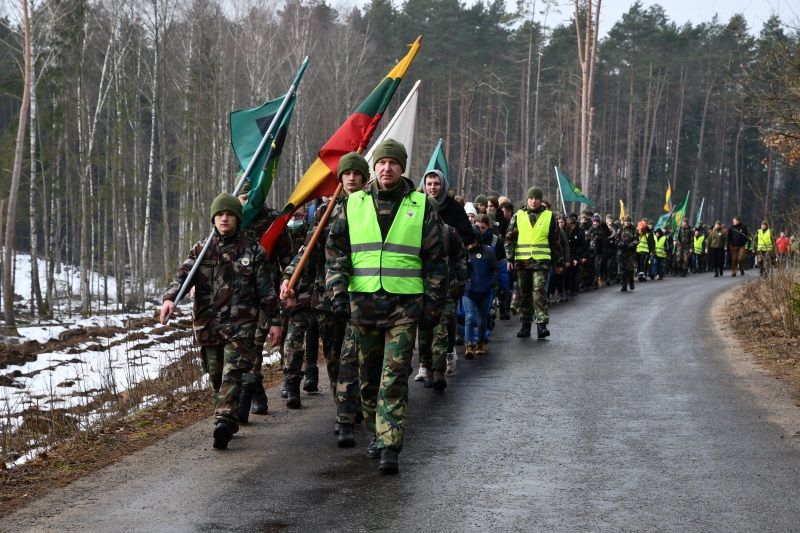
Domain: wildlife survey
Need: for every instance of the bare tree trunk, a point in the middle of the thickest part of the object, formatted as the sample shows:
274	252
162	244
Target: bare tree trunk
678	127
700	142
587	53
13	193
36	289
629	149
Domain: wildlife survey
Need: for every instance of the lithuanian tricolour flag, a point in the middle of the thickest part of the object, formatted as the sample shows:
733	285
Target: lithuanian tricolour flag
353	135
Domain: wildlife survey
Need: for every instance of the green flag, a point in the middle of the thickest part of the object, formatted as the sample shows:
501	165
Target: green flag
680	213
569	191
663	221
438	161
248	127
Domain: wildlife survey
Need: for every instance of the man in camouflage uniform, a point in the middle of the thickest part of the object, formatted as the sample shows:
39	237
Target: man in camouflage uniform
684	247
231	287
336	333
531	258
386	249
626	241
253	397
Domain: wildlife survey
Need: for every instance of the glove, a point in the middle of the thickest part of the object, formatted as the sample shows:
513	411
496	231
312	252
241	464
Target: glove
341	307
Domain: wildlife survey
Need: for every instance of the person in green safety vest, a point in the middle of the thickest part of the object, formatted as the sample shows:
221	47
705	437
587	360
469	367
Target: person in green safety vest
698	252
765	246
386	251
645	248
660	257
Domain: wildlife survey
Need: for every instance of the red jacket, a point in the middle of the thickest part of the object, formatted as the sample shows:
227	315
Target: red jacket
783	244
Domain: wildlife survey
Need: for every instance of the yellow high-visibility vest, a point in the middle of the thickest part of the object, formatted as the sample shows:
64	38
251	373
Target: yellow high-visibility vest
394	264
532	241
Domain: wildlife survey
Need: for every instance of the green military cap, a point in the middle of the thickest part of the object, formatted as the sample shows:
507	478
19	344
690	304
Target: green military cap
392	149
535	192
226	202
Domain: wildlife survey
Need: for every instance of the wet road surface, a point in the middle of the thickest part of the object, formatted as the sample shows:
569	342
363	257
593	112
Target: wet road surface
631	417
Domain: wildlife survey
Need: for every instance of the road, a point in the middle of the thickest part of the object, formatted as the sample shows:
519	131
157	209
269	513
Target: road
635	415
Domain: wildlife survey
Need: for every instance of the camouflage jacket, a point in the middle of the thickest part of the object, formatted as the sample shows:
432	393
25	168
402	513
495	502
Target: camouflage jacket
231	287
553	239
457	271
311	285
685	238
626	240
382	309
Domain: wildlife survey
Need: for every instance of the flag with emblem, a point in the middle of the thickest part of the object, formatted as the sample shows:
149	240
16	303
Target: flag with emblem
668	199
569	191
680	213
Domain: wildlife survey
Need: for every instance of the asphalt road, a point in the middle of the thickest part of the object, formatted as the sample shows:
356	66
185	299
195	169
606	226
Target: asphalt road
635	415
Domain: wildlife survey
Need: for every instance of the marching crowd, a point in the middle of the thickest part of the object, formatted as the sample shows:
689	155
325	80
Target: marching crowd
397	265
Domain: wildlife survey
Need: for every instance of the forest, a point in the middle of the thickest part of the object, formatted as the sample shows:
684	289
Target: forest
126	138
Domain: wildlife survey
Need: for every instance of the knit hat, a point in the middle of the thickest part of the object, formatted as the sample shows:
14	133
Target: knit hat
393	149
718	223
627	218
587	213
596	218
470	209
535	192
765	223
226	202
610	216
353	161
481	199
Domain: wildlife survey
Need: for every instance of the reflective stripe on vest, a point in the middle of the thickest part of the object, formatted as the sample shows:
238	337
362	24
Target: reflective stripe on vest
764	240
393	265
698	244
661	246
642	247
532	241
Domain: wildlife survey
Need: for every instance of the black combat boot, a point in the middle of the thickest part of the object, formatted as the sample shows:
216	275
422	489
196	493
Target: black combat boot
347	438
439	381
624	288
242	411
312	379
372	450
631	284
390	463
293	393
525	331
259	405
223	433
542	332
284	390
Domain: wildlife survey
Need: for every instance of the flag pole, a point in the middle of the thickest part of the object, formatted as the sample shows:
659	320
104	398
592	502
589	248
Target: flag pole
560	192
185	286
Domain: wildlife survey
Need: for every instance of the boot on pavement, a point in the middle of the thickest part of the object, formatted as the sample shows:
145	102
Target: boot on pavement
421	374
480	351
259	406
293	393
542	332
428	379
347	437
469	351
312	379
390	463
439	382
373	452
451	363
223	433
525	331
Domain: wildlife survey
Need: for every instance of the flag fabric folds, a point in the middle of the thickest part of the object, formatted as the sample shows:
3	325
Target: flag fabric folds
663	221
668	199
680	213
401	128
569	191
699	213
438	162
248	127
621	209
353	135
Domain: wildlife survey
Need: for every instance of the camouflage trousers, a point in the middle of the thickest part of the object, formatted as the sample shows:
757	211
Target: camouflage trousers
433	341
227	365
296	346
533	301
385	362
626	263
332	333
683	258
348	395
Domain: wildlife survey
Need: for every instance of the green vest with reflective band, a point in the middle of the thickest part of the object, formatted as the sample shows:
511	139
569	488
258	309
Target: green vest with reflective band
394	264
532	241
698	244
642	247
661	246
764	238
